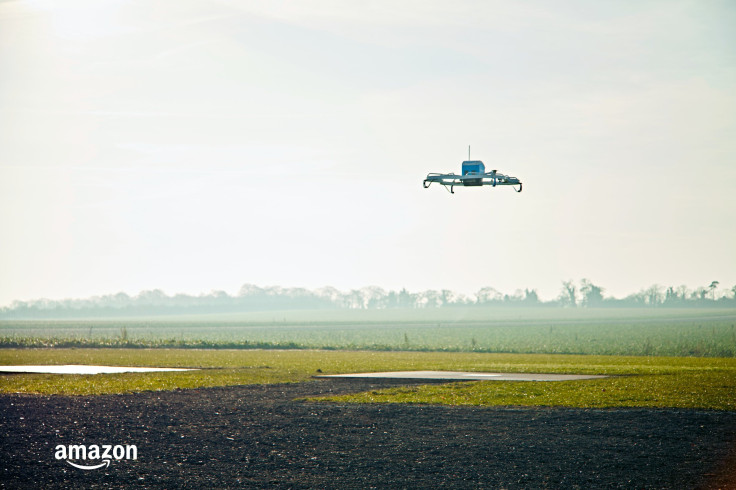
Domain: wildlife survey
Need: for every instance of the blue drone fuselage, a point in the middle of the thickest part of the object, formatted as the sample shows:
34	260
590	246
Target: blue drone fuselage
473	167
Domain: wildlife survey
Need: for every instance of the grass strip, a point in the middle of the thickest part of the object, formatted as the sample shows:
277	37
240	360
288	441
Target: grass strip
681	382
712	390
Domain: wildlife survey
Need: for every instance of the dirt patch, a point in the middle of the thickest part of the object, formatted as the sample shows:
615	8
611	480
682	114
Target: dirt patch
258	437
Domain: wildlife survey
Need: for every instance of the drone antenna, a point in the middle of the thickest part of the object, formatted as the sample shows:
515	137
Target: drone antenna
468	152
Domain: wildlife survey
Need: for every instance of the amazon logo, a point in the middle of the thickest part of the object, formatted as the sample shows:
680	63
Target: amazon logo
99	456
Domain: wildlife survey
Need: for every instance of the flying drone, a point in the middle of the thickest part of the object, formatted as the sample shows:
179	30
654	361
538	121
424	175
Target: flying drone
473	174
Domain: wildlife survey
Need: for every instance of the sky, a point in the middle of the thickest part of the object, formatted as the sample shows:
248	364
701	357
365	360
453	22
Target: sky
197	145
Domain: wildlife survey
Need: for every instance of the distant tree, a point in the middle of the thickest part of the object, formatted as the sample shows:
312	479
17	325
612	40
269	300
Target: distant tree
461	299
406	299
699	294
330	294
712	287
568	294
678	296
429	299
592	294
670	296
531	297
653	295
486	295
249	290
354	299
151	297
517	297
373	297
391	300
119	300
636	299
218	297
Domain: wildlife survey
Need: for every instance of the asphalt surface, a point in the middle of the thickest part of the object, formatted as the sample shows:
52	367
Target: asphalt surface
465	376
259	437
84	369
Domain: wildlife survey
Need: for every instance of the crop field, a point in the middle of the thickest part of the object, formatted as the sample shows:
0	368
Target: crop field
658	332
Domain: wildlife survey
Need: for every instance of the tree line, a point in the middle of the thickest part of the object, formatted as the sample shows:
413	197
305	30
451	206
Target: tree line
583	294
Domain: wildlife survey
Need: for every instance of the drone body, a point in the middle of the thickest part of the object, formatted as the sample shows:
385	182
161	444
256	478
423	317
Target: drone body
473	174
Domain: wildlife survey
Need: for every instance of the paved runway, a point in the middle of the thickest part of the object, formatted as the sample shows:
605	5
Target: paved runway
466	376
83	369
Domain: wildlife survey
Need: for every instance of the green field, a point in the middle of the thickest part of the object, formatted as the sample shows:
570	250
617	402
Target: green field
659	332
683	382
657	357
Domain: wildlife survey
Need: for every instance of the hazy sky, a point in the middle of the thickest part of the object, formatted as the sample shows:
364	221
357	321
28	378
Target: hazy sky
192	145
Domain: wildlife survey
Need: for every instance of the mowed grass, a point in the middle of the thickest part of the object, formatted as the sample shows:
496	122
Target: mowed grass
678	382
